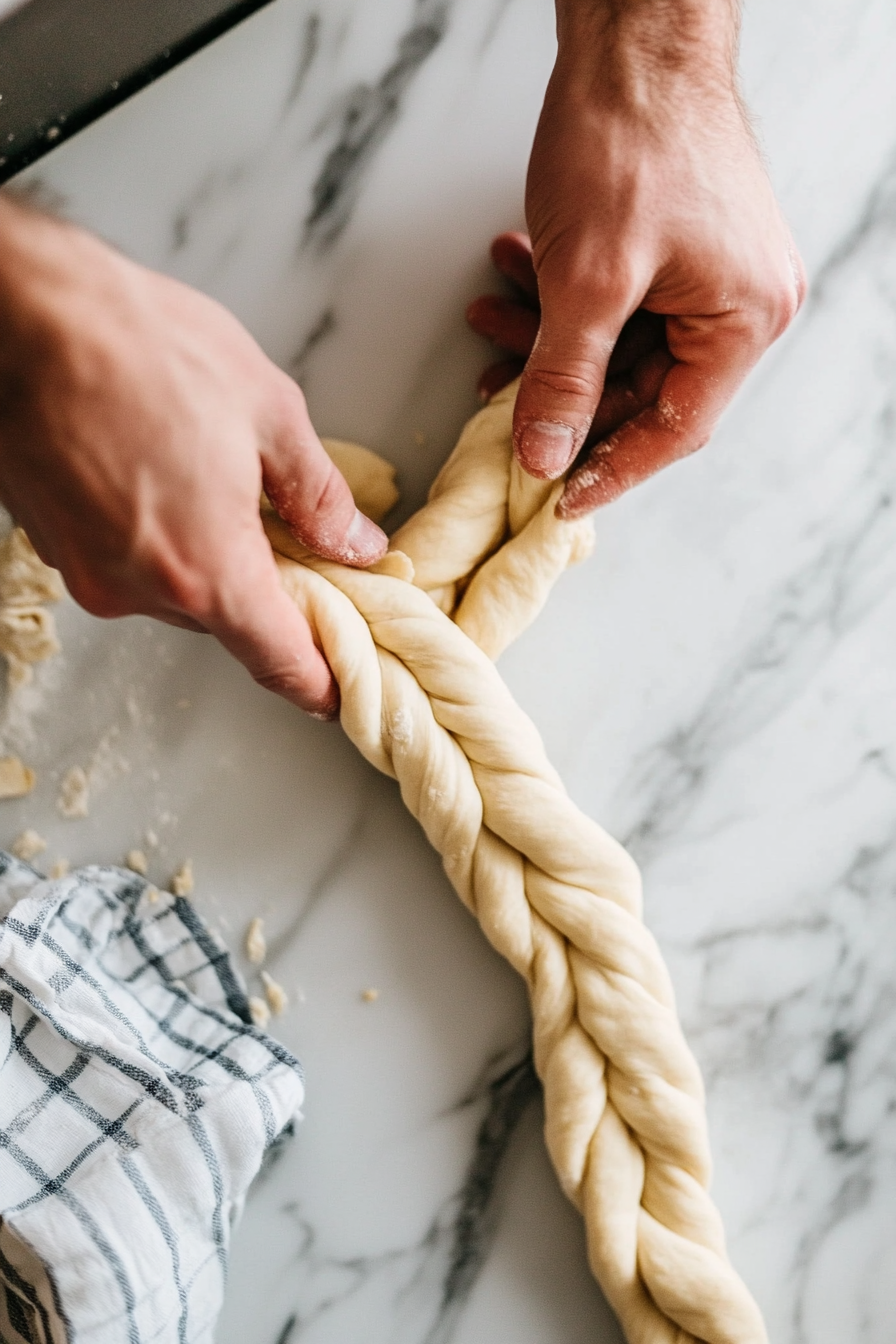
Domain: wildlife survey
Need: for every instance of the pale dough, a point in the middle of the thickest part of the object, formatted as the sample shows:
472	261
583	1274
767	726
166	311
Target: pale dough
255	943
27	628
74	794
28	845
625	1115
183	881
411	644
16	778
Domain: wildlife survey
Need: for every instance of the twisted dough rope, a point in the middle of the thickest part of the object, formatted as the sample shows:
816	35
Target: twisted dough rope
558	897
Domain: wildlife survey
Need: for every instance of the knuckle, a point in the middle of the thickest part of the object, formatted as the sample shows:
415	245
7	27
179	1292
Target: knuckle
784	307
278	680
774	306
577	379
330	491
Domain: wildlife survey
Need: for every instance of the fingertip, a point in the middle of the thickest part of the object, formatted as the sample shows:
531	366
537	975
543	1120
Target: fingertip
305	681
362	544
593	485
325	707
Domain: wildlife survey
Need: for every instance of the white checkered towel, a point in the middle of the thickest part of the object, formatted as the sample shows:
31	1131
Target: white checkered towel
136	1104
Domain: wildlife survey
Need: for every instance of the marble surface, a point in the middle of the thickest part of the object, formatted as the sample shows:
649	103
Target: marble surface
716	685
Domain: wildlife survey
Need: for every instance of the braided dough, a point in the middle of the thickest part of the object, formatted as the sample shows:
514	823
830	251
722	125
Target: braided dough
411	649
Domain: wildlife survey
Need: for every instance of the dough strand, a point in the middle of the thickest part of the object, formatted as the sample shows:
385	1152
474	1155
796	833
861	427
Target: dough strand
554	893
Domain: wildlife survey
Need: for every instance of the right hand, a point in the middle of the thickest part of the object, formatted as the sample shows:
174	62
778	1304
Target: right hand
139	422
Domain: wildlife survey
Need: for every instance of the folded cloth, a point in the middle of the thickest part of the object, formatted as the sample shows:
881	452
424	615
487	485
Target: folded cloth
137	1101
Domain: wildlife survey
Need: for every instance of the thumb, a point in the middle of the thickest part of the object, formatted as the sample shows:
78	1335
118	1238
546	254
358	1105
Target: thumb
309	492
563	380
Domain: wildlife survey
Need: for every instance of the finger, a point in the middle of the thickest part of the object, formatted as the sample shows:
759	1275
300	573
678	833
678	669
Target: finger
505	321
498	376
642	333
309	493
562	382
625	397
681	420
257	622
512	255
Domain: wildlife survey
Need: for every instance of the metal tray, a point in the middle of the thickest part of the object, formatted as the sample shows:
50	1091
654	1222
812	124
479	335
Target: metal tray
65	62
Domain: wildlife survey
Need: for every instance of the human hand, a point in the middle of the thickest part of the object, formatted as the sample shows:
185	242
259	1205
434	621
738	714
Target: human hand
664	268
138	424
635	370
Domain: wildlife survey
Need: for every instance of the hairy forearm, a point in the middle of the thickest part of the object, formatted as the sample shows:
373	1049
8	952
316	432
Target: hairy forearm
634	46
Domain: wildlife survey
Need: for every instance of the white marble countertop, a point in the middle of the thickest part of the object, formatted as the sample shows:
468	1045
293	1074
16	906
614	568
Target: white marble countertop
716	685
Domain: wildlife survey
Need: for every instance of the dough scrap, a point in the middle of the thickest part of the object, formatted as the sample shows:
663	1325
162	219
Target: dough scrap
27	629
28	845
255	942
16	778
183	882
74	794
559	898
278	999
137	861
259	1011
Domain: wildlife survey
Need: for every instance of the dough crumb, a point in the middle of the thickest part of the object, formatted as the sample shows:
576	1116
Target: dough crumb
152	894
16	779
256	946
152	839
370	995
137	861
74	794
182	883
259	1011
396	565
27	629
60	868
28	845
275	994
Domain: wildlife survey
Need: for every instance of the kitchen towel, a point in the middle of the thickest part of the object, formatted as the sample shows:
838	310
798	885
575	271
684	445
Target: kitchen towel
137	1101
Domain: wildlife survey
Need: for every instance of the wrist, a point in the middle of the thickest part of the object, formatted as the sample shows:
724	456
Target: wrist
46	265
638	51
29	261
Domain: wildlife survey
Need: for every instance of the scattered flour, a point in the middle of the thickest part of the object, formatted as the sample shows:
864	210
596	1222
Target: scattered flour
401	727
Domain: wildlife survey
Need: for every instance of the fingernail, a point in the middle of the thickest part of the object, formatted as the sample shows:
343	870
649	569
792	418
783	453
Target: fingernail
546	448
364	542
